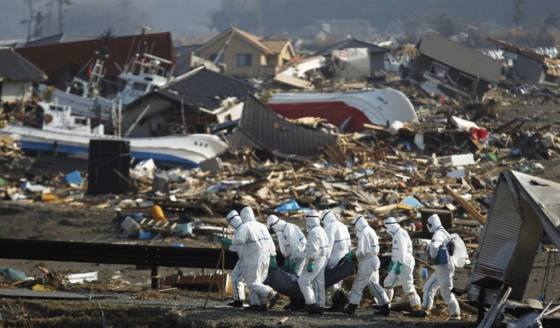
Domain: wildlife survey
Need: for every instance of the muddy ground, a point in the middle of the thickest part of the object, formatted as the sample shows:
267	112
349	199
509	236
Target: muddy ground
122	296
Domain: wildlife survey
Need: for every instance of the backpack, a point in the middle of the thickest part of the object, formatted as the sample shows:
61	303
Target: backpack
457	251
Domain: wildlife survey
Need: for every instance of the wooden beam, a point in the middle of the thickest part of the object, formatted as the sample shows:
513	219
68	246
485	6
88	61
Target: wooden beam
468	207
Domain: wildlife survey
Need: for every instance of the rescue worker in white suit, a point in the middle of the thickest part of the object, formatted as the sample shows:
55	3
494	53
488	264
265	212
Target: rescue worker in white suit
292	245
442	278
259	252
368	268
402	264
234	221
312	280
339	245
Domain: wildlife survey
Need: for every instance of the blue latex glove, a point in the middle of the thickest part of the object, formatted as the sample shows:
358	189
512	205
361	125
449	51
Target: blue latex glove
348	256
273	263
398	268
292	266
226	241
310	266
391	265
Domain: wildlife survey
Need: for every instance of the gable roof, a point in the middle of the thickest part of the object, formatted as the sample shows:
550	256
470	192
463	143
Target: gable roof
460	57
272	46
351	43
15	68
263	129
54	57
59	38
202	88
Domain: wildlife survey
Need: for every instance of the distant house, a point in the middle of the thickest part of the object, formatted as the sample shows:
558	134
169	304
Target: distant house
529	65
455	69
376	53
17	76
247	55
191	103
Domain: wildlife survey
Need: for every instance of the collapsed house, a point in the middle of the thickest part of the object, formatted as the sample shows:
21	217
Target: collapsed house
17	76
354	58
523	214
447	68
528	65
190	103
273	136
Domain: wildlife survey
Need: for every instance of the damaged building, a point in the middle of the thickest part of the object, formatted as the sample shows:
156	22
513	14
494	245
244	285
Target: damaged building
528	65
17	76
448	68
189	104
368	57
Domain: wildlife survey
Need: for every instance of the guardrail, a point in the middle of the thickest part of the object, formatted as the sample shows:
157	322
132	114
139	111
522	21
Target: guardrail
153	256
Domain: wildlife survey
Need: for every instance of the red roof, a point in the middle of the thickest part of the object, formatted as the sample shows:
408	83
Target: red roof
53	58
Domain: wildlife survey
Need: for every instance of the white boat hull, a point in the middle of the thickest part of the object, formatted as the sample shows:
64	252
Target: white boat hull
185	151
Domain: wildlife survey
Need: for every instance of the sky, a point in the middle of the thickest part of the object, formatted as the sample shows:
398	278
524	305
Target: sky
177	16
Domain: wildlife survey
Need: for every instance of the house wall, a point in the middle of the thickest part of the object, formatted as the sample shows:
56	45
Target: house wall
377	62
132	113
528	69
237	45
424	63
13	91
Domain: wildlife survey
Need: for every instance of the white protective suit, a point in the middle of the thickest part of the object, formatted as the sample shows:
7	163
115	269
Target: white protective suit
257	248
235	222
291	241
401	253
368	263
443	275
312	284
339	242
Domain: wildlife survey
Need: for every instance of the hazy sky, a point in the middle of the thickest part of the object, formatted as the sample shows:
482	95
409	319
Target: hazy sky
177	16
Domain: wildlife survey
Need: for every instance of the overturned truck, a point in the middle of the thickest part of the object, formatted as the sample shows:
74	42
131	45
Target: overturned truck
525	212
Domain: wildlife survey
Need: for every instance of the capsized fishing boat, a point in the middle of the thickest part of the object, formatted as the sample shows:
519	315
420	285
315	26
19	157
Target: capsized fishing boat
348	111
65	134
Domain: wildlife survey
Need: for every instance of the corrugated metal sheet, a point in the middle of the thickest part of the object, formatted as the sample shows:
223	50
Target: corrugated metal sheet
500	234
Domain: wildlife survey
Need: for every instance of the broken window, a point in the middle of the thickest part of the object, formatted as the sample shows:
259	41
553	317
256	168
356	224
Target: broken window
244	60
439	70
465	83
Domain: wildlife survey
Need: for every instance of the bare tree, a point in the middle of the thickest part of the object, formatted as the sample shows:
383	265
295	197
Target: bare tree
518	12
29	21
61	4
49	5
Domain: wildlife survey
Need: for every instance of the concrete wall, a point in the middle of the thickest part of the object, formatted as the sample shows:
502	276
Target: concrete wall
528	69
236	46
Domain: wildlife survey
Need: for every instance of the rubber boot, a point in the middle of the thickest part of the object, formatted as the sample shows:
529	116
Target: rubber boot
311	308
299	305
236	304
290	305
262	308
252	307
335	302
342	300
383	310
350	309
